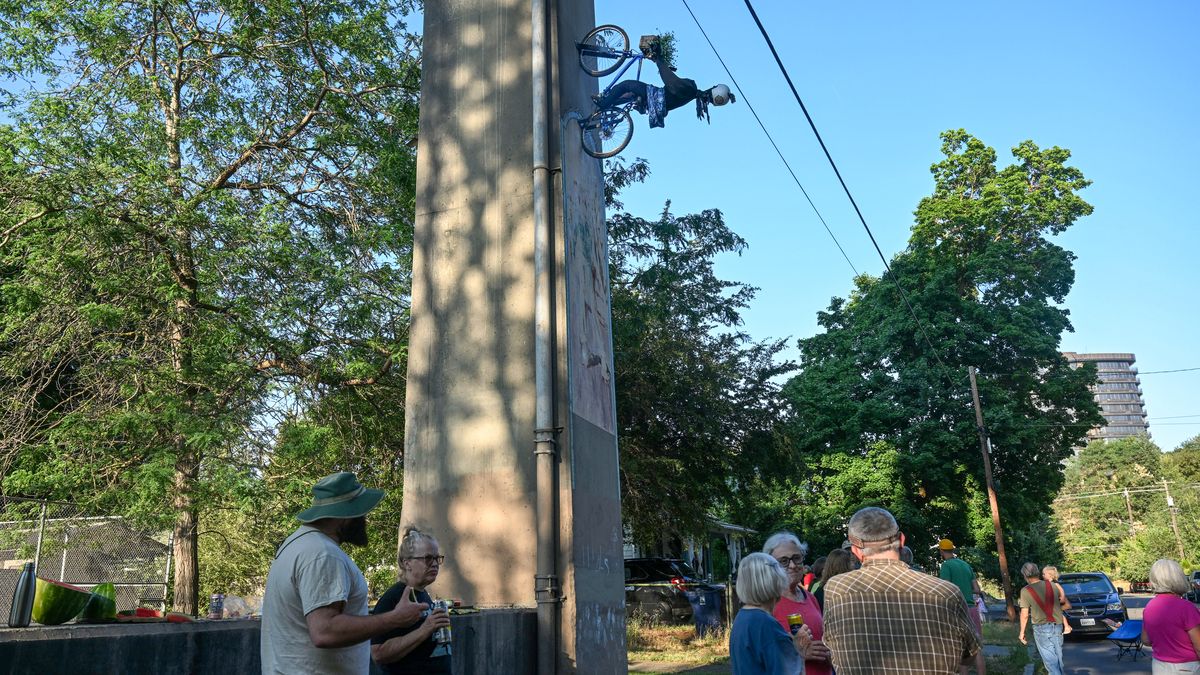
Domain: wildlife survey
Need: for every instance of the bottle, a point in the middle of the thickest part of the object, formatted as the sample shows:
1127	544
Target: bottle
22	601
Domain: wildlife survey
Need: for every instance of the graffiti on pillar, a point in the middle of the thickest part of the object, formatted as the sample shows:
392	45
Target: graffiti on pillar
589	330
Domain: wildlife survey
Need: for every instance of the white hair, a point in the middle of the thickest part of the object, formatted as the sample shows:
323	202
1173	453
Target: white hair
1030	571
761	581
779	538
1166	576
874	531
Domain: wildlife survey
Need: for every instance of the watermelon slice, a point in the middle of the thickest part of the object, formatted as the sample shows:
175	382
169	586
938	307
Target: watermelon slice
102	604
55	602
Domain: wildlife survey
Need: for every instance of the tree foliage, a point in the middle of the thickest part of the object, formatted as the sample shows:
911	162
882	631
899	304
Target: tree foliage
696	400
205	220
1113	515
881	411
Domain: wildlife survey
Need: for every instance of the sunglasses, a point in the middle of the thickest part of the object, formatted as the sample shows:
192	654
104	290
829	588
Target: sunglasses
430	559
794	561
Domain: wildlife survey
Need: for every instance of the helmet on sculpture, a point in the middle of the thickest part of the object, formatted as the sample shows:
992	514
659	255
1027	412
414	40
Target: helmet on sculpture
720	95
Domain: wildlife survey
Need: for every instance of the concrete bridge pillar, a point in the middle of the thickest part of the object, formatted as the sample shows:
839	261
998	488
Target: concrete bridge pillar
469	452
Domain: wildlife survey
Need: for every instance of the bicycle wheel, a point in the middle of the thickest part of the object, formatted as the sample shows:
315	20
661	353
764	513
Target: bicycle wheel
603	50
607	132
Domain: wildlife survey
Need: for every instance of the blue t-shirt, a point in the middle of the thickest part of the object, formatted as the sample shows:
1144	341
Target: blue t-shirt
758	645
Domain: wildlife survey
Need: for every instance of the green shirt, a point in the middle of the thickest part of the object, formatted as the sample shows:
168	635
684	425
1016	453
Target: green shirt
959	573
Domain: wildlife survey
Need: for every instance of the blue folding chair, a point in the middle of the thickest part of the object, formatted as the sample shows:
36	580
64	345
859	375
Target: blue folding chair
1128	639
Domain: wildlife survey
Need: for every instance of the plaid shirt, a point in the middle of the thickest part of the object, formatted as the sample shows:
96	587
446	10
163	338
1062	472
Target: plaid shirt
886	618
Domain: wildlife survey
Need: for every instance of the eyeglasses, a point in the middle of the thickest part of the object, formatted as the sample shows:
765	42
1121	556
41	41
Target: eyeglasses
430	559
794	561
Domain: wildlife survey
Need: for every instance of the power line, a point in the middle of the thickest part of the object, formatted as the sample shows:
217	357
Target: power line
746	100
1160	372
903	296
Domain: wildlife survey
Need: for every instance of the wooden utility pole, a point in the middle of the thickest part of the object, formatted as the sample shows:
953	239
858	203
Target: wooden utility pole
1174	525
984	448
1129	508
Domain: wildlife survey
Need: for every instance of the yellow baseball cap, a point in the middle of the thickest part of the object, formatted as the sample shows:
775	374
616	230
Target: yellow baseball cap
945	545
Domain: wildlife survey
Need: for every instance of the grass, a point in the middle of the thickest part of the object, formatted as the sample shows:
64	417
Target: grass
1013	664
649	640
1003	633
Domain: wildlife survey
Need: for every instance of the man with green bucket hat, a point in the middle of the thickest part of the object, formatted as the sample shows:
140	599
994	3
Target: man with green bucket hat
315	607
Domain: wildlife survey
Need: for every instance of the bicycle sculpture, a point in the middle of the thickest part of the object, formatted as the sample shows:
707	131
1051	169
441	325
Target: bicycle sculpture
601	52
605	50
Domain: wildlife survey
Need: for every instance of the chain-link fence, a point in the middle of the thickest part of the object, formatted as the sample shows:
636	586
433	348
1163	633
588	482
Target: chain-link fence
69	544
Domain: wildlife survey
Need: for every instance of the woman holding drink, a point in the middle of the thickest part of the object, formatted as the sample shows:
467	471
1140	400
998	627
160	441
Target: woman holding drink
796	606
424	647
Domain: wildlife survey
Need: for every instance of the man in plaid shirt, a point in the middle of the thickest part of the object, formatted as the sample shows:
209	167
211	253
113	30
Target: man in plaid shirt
886	618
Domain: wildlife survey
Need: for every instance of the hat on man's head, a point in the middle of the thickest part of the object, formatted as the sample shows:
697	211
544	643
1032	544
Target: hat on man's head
946	545
340	495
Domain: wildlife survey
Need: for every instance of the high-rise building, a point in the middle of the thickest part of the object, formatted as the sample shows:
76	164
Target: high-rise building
1119	394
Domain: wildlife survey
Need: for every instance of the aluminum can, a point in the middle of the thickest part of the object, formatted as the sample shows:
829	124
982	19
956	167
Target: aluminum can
442	635
795	621
216	606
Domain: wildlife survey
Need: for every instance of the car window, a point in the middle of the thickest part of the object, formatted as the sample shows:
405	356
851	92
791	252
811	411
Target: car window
634	572
685	570
1086	583
661	570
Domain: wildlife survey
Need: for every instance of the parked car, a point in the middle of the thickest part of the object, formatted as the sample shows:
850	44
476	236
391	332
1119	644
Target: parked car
1094	600
658	587
1194	594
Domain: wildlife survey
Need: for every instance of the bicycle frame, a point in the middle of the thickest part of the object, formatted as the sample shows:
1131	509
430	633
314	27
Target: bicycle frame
633	58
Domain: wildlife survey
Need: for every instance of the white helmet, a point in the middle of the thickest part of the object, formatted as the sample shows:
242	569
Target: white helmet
720	94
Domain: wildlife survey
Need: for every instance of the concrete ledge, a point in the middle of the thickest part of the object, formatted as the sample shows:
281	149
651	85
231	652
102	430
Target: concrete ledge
491	641
203	648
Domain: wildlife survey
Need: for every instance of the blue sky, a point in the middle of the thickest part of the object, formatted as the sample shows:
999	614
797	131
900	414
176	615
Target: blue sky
1114	82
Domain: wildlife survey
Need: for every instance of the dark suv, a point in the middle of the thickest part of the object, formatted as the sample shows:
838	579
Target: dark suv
1093	600
657	587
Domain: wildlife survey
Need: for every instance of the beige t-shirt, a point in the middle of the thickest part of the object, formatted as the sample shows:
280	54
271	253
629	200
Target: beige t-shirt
310	572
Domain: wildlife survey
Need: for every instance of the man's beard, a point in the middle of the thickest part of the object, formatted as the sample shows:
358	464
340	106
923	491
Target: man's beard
353	532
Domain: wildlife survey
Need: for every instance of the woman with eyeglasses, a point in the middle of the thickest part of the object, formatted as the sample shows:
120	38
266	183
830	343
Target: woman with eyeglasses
787	548
413	650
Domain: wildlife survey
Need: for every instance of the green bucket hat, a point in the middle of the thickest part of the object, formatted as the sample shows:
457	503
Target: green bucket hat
340	495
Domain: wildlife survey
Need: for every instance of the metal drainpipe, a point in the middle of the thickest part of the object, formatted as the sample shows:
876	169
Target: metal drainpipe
546	579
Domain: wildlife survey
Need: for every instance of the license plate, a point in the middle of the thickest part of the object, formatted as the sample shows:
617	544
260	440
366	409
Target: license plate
1087	622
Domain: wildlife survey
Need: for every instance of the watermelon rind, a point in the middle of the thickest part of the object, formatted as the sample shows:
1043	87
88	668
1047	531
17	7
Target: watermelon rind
102	604
55	602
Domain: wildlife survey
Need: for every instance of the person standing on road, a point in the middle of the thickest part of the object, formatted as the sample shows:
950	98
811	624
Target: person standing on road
314	619
1170	623
790	552
1039	600
886	619
757	644
958	572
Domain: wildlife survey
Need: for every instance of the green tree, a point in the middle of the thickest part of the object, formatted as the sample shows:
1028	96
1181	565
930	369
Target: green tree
1111	494
696	402
987	284
205	219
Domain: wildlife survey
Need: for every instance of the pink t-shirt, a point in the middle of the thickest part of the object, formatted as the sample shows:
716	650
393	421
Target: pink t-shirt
812	618
1167	620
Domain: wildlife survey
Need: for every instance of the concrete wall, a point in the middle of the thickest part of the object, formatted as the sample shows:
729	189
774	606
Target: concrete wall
216	648
487	643
469	463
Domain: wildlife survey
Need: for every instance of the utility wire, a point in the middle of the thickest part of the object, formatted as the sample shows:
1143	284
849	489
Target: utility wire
1159	372
746	100
861	219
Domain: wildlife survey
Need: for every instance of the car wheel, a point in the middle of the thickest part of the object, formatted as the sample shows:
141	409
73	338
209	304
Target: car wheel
665	612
